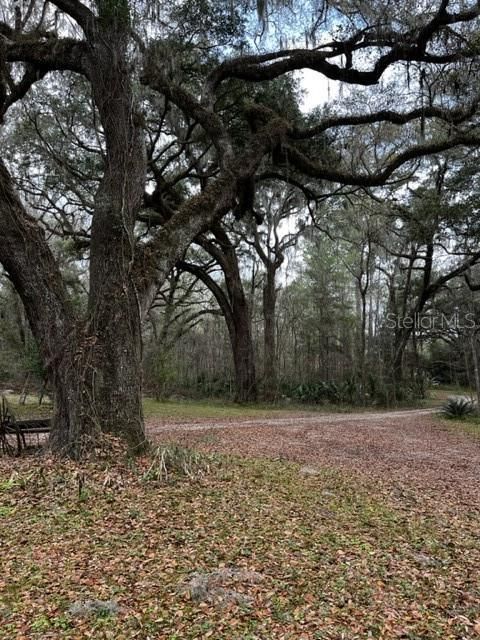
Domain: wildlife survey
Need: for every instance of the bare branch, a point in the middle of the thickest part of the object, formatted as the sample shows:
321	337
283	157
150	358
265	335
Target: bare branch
452	116
309	168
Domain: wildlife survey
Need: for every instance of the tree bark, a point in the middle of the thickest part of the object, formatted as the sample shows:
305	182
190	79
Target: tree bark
269	347
235	309
113	301
31	266
93	364
243	354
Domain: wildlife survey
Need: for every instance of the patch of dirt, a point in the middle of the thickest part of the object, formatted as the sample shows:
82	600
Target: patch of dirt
400	446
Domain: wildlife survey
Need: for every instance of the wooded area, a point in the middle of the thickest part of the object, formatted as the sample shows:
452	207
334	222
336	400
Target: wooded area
174	220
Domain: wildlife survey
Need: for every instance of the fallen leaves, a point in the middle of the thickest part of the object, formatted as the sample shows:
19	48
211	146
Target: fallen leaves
383	564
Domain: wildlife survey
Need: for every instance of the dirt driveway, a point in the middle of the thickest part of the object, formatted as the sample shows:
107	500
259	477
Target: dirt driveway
402	447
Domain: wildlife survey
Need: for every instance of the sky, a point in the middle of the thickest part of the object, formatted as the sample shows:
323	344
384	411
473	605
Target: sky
318	89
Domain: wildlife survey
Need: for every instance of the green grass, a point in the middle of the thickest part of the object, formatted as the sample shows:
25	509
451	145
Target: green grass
219	409
441	393
214	408
30	408
190	409
206	409
469	424
340	558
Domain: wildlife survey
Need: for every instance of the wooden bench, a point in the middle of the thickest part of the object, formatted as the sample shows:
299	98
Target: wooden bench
19	429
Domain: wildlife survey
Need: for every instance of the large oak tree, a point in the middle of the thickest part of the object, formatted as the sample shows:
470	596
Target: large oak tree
94	361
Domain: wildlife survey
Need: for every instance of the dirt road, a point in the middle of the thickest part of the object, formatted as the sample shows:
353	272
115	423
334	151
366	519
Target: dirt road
401	446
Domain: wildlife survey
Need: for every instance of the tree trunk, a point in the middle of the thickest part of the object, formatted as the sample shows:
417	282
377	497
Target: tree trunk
476	371
402	336
76	425
244	361
235	308
243	354
31	266
116	330
94	366
362	347
269	351
114	310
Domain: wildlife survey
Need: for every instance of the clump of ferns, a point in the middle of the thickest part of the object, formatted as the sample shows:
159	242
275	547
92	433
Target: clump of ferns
458	407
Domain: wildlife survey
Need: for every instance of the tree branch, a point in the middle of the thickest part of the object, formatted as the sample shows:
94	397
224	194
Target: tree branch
453	116
309	168
80	13
30	264
407	46
213	286
64	54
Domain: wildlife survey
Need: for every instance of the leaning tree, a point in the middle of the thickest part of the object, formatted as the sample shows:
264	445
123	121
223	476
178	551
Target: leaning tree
138	62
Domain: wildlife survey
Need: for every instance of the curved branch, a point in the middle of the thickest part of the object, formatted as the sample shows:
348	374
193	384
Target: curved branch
79	12
309	168
309	194
64	54
156	79
452	116
215	289
458	271
410	46
31	266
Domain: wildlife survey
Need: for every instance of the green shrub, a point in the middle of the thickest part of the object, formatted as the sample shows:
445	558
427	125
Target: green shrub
457	407
346	392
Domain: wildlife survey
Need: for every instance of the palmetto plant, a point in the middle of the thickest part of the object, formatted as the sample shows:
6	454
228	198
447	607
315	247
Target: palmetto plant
347	391
457	407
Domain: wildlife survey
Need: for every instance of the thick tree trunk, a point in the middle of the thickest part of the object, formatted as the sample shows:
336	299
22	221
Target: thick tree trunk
269	346
28	261
243	354
234	306
94	366
117	383
239	321
113	301
115	321
76	424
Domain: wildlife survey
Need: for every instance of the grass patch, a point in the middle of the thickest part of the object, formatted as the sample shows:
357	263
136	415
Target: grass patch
30	408
340	558
469	424
442	393
173	460
215	409
190	409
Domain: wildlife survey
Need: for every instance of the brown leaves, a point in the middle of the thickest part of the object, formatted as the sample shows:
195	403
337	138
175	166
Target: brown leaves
382	565
404	448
